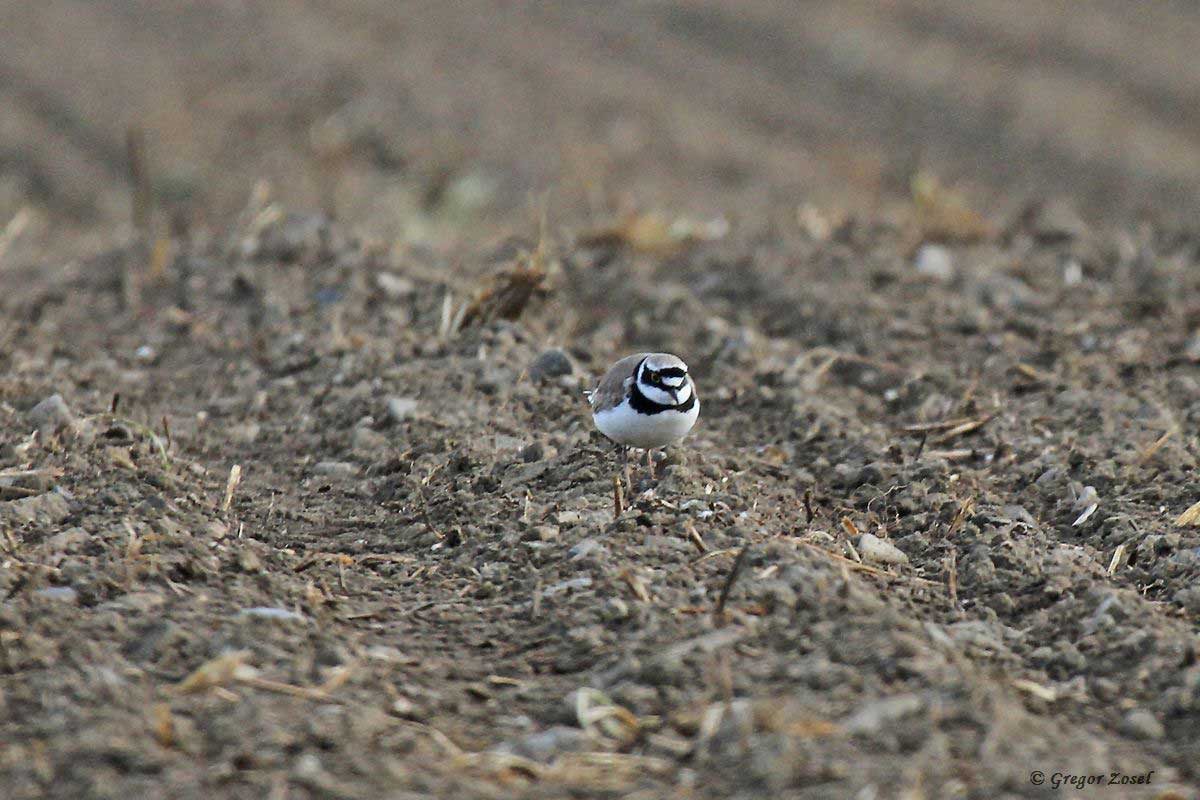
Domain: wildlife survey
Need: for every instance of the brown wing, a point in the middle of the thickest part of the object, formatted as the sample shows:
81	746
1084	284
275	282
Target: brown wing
615	383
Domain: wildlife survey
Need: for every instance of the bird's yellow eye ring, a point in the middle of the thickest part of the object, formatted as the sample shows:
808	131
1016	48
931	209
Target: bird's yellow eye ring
652	377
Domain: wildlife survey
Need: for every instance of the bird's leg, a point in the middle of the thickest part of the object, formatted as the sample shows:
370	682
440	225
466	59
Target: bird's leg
650	463
625	470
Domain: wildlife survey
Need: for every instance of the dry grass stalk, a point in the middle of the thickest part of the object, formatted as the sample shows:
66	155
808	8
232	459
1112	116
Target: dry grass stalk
965	509
951	565
853	551
1118	557
931	427
1189	518
218	672
507	297
599	715
1036	689
1033	373
734	571
1155	446
618	498
636	584
961	429
728	551
255	682
13	230
235	477
17	492
230	669
163	725
961	454
860	567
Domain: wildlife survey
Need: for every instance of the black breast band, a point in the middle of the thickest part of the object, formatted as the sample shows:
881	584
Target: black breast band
644	405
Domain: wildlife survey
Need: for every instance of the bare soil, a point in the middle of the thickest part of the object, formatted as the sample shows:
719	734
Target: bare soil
299	492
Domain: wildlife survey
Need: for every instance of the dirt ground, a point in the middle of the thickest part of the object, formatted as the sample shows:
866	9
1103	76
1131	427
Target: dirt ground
299	492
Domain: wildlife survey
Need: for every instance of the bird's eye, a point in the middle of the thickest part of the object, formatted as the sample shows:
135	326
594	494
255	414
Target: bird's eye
653	377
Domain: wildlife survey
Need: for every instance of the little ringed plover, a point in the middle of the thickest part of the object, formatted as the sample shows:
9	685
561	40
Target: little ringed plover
646	400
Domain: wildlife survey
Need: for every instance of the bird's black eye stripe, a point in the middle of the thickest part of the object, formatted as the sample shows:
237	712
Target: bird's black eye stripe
673	372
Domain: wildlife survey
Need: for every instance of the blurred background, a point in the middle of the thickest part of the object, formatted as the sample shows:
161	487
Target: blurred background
402	117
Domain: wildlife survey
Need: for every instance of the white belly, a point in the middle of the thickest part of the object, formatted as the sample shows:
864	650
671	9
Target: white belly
625	426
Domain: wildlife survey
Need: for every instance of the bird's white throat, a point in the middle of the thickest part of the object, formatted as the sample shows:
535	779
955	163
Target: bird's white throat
663	397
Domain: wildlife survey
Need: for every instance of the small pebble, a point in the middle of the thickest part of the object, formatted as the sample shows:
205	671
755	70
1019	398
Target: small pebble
586	548
51	415
545	745
63	593
267	612
936	262
1056	221
69	540
244	432
551	364
1142	724
564	586
546	533
401	408
335	469
46	509
874	715
615	609
367	440
394	287
881	551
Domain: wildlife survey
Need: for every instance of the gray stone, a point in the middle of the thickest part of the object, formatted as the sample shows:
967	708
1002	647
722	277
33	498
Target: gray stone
51	416
935	261
614	610
1057	220
401	408
1142	724
393	286
546	533
872	717
587	547
881	551
47	509
63	593
244	432
545	745
366	440
551	364
267	612
335	469
1189	598
69	540
570	584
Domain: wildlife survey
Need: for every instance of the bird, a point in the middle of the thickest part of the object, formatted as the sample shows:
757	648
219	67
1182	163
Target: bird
645	400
